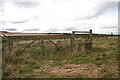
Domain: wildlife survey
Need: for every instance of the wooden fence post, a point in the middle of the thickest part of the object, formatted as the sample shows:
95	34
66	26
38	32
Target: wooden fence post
90	45
91	35
42	45
10	45
73	41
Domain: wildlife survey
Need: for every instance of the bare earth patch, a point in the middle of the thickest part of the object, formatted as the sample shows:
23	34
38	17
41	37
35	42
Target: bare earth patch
73	70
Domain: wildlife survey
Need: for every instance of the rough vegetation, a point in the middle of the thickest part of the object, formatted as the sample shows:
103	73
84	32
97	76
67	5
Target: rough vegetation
100	61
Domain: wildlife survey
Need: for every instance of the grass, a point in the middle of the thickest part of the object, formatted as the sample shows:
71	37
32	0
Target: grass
29	68
104	52
110	75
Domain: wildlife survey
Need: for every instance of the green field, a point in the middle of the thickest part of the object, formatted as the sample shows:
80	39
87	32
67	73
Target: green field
99	62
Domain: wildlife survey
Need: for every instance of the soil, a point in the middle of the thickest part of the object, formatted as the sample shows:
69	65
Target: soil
73	70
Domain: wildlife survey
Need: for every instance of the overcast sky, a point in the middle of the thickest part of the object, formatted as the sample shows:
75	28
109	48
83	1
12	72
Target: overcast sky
59	15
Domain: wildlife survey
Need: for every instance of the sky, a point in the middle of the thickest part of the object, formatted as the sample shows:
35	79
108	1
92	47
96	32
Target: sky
59	15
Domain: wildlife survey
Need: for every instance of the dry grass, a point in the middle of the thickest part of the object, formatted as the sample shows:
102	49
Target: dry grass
100	61
73	70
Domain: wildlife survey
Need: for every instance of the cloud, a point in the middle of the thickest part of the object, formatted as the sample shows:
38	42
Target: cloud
8	29
3	22
86	28
59	1
53	29
70	29
14	22
18	3
31	29
22	3
104	7
99	10
85	15
1	8
26	4
109	27
22	21
65	28
16	15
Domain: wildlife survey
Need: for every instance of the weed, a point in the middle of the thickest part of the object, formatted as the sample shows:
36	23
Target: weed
110	75
29	68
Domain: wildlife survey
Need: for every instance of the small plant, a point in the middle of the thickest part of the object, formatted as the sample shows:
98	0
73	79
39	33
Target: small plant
29	68
109	75
112	43
104	55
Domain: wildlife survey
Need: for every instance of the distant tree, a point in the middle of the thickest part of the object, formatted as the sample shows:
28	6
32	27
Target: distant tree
111	34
